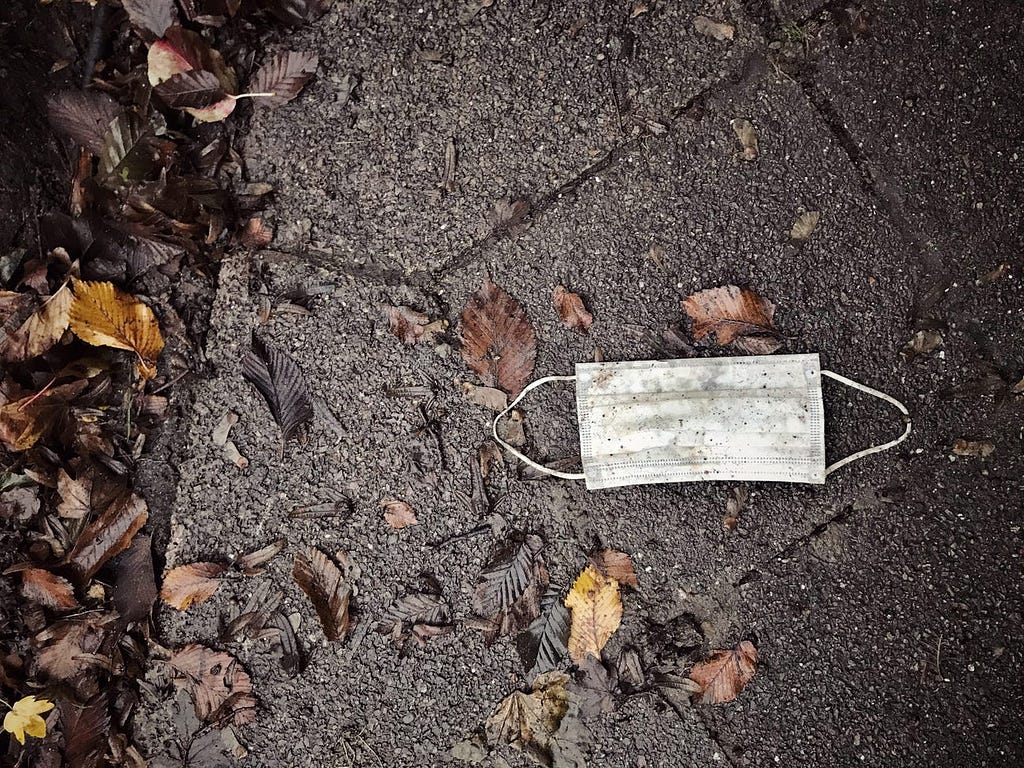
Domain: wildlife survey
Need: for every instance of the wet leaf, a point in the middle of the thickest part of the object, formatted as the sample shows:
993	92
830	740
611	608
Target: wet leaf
40	331
83	116
733	507
134	580
104	316
747	136
508	591
530	721
182	50
596	613
282	385
571	310
220	689
298	12
417	616
804	226
498	341
716	29
153	16
127	153
594	685
508	217
24	421
398	514
735	316
488	397
48	590
85	730
724	675
413	327
922	343
252	563
191	584
284	75
543	646
194	88
256	234
980	448
615	565
108	535
328	590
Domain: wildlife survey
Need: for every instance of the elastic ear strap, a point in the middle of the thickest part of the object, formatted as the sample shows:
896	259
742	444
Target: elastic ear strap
875	448
517	454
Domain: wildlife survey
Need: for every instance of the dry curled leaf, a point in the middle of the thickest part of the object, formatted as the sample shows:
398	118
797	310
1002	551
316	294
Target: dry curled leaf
498	341
108	535
716	29
530	721
413	327
724	675
279	380
220	689
615	565
251	563
40	331
571	311
398	514
256	234
979	448
923	342
735	316
191	584
596	613
327	588
284	76
104	316
489	397
804	226
747	136
47	589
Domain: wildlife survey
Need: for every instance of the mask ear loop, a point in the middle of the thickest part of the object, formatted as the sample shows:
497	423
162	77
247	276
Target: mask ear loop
517	454
875	448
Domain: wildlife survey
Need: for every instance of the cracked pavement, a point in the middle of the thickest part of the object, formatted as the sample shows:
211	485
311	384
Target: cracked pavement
885	605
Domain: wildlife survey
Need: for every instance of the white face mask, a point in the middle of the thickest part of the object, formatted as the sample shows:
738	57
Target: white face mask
729	418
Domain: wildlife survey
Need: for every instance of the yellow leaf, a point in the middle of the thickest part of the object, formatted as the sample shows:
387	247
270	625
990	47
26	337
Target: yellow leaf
25	717
596	613
103	316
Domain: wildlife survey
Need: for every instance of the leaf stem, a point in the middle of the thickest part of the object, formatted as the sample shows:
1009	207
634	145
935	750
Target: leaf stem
250	95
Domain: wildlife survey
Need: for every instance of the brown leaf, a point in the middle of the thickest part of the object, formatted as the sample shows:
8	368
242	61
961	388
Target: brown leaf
724	675
107	535
716	29
23	422
191	584
252	563
103	316
737	503
804	226
220	689
194	88
530	721
508	591
280	381
41	330
75	495
153	16
72	647
398	514
571	310
413	327
256	234
83	116
47	589
615	565
508	217
922	343
980	448
498	341
747	136
284	76
135	581
489	453
489	397
596	613
326	586
735	316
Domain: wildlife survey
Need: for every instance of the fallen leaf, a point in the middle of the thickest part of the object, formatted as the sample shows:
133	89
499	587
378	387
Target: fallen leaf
498	342
194	88
488	397
108	535
129	150
252	563
508	217
733	507
256	234
489	453
182	50
571	310
724	675
615	565
716	29
220	689
191	584
25	718
922	343
72	647
981	448
75	495
531	722
639	7
508	591
515	433
48	590
284	76
736	316
40	331
594	685
223	428
103	316
83	116
86	730
629	670
134	580
326	587
282	385
398	514
596	613
744	131
24	421
543	646
411	616
413	327
804	226
153	16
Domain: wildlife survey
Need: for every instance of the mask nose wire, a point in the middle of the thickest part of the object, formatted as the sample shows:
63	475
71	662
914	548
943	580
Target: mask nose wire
526	459
875	448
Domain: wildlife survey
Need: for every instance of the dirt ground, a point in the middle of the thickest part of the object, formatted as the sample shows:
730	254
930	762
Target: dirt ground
885	605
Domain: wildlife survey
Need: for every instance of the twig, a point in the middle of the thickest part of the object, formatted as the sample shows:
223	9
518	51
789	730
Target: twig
92	53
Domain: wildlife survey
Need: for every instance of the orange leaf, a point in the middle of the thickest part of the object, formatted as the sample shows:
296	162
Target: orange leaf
498	341
736	316
107	535
47	589
571	310
615	565
191	584
724	675
398	514
103	316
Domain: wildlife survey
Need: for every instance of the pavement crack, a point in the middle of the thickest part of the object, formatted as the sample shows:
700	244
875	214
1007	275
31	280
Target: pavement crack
753	574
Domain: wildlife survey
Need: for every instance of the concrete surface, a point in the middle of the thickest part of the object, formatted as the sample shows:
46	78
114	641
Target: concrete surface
885	605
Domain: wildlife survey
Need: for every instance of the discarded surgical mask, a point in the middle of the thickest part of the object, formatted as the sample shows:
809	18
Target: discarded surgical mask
734	418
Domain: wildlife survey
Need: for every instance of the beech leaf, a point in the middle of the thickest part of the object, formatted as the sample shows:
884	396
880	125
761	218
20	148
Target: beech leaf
543	646
181	50
24	421
498	342
571	310
326	587
191	584
398	514
735	316
83	116
48	589
616	565
104	316
725	674
41	330
279	380
220	689
508	590
151	15
194	88
109	534
284	75
596	613
411	326
75	495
